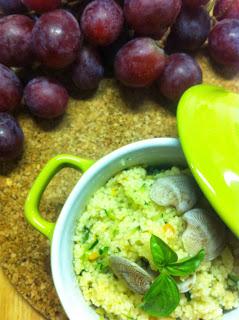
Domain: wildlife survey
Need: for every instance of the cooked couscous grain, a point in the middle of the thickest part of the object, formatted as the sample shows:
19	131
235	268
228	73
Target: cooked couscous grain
119	220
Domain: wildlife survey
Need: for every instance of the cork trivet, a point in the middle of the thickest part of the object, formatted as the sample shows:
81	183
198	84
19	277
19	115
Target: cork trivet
92	127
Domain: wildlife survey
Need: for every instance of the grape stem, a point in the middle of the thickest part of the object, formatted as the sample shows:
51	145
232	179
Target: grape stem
161	43
210	6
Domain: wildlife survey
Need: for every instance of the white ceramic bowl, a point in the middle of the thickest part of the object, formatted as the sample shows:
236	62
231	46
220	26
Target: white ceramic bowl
159	151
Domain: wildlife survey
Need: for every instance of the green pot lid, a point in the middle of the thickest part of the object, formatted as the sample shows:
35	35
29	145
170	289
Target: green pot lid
208	124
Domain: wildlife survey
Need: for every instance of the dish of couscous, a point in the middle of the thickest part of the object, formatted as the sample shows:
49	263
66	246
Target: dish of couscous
148	247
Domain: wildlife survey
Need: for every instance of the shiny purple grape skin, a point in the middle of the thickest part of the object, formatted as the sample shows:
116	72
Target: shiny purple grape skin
11	138
191	28
15	40
151	17
12	6
46	98
181	72
87	69
102	22
226	9
139	63
42	6
10	90
223	43
195	3
56	38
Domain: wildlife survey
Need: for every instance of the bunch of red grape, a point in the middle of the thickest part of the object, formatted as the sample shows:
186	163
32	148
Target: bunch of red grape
143	41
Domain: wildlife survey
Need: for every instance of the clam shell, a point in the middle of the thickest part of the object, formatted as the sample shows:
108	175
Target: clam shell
187	285
178	191
204	231
135	277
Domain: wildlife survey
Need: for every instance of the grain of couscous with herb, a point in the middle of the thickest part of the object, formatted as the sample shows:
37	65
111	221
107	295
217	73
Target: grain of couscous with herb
124	223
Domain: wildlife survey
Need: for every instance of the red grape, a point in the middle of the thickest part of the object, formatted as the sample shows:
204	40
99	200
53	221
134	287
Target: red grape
191	28
108	53
195	3
15	40
12	6
181	72
226	9
88	69
150	17
10	89
102	22
42	5
139	62
223	43
11	138
46	98
56	38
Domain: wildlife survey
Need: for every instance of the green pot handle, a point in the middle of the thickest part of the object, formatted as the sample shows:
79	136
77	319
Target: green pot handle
31	209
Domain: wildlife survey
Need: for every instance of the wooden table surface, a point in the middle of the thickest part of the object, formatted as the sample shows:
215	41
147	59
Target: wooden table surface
12	305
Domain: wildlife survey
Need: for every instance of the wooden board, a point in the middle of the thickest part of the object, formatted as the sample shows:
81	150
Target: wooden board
12	305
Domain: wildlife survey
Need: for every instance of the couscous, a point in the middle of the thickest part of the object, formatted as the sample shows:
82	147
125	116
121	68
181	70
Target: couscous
119	220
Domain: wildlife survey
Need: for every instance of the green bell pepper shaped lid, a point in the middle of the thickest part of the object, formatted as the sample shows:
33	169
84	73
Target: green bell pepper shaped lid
208	125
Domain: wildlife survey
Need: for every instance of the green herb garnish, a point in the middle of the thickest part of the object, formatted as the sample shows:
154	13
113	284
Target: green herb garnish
102	266
163	296
188	296
85	234
109	214
93	244
103	251
82	271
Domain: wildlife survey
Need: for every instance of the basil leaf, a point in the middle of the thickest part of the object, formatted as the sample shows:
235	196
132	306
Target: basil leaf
186	267
161	252
162	297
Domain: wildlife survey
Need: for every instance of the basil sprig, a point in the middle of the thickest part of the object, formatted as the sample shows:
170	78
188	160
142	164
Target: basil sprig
163	296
